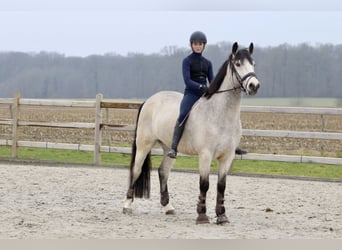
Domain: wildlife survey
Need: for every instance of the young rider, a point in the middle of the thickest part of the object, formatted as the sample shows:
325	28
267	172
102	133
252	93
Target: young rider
197	72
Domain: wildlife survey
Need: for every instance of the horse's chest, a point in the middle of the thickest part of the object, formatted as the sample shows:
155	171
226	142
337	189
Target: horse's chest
225	138
226	132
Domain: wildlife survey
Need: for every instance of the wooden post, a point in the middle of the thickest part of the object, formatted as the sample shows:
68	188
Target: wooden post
98	121
107	122
323	125
15	123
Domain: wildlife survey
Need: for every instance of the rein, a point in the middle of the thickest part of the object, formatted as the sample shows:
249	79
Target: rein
227	90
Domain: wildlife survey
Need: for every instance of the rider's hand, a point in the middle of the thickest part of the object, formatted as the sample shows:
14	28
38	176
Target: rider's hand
203	87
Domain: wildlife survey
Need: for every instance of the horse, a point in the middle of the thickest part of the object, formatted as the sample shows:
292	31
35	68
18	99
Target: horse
212	131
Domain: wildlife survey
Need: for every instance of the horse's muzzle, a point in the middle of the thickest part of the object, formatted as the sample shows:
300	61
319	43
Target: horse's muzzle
252	87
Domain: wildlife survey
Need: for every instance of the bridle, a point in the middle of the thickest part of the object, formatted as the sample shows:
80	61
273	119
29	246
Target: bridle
239	79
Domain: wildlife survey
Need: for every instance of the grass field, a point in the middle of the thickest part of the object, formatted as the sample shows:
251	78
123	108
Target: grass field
188	163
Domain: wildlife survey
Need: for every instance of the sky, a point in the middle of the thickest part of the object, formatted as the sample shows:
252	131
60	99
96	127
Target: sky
87	27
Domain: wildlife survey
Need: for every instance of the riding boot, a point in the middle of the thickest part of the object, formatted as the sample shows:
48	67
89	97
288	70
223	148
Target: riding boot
240	151
177	134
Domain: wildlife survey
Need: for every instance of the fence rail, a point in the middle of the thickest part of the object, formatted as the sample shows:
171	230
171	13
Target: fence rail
16	103
293	110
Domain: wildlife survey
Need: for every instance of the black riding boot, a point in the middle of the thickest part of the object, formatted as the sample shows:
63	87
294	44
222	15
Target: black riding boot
177	134
240	151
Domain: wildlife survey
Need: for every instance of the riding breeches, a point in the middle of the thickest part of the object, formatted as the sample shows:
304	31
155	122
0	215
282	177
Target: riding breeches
186	105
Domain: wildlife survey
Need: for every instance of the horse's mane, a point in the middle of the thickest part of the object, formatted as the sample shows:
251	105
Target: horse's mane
218	79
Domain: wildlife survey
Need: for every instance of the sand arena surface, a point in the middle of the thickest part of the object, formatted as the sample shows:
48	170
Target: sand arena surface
58	202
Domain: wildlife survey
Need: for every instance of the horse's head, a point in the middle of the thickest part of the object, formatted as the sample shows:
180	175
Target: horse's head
242	66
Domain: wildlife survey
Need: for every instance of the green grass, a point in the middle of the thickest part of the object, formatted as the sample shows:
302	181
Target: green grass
190	163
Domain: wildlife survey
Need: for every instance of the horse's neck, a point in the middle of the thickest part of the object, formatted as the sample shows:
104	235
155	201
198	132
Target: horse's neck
230	101
223	107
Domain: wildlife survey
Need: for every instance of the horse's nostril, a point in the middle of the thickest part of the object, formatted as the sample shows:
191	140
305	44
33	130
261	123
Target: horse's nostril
253	86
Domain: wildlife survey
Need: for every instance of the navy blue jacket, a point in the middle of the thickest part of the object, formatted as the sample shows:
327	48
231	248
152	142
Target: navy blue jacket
197	70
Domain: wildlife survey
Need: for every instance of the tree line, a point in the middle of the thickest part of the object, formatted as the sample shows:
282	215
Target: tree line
284	71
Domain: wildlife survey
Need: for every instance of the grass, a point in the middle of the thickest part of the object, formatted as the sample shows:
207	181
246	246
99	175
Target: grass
190	163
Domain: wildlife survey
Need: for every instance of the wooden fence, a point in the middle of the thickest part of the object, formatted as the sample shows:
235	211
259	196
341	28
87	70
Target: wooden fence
99	103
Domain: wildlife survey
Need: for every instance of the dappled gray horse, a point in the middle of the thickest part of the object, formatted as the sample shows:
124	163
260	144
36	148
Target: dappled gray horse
213	131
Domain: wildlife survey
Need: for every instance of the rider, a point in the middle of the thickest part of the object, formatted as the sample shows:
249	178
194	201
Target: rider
197	73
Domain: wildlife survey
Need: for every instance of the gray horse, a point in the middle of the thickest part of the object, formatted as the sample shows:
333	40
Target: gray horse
213	131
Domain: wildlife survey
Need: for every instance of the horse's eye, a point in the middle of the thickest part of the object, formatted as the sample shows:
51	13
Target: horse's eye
237	64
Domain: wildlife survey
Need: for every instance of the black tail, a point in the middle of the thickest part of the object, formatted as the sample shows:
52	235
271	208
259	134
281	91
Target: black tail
142	185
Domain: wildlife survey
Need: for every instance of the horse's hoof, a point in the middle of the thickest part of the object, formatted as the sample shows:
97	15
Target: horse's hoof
170	212
127	207
126	210
222	219
168	209
202	219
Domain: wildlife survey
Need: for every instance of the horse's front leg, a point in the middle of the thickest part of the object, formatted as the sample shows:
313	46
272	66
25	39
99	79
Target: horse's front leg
201	205
224	166
204	168
220	209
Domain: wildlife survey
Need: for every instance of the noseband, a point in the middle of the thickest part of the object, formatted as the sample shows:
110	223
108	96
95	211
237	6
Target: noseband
239	79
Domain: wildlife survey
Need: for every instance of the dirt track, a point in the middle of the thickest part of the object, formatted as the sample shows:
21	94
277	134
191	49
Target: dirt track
86	202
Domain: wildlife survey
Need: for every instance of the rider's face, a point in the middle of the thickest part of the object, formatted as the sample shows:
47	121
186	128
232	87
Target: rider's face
197	47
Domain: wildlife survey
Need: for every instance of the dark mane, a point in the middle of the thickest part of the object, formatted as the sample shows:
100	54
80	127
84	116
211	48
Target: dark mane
218	79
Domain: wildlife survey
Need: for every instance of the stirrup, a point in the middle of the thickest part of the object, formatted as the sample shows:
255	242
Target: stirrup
172	154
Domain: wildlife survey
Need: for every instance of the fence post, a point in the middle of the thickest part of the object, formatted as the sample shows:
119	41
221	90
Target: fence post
98	121
15	110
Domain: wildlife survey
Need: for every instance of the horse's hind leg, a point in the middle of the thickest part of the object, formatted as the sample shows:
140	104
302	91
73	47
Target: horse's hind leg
139	159
164	171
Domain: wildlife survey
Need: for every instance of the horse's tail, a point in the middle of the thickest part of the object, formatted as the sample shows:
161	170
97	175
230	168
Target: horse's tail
142	185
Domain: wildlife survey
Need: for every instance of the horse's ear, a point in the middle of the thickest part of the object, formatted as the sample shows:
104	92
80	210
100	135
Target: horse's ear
235	48
251	48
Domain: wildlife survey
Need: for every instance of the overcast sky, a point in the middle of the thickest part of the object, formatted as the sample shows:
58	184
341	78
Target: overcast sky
84	27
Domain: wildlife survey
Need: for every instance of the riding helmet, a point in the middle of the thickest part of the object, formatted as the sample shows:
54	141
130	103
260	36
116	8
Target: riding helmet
198	36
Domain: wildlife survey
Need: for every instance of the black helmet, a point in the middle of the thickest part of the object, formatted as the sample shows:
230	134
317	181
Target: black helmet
198	36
